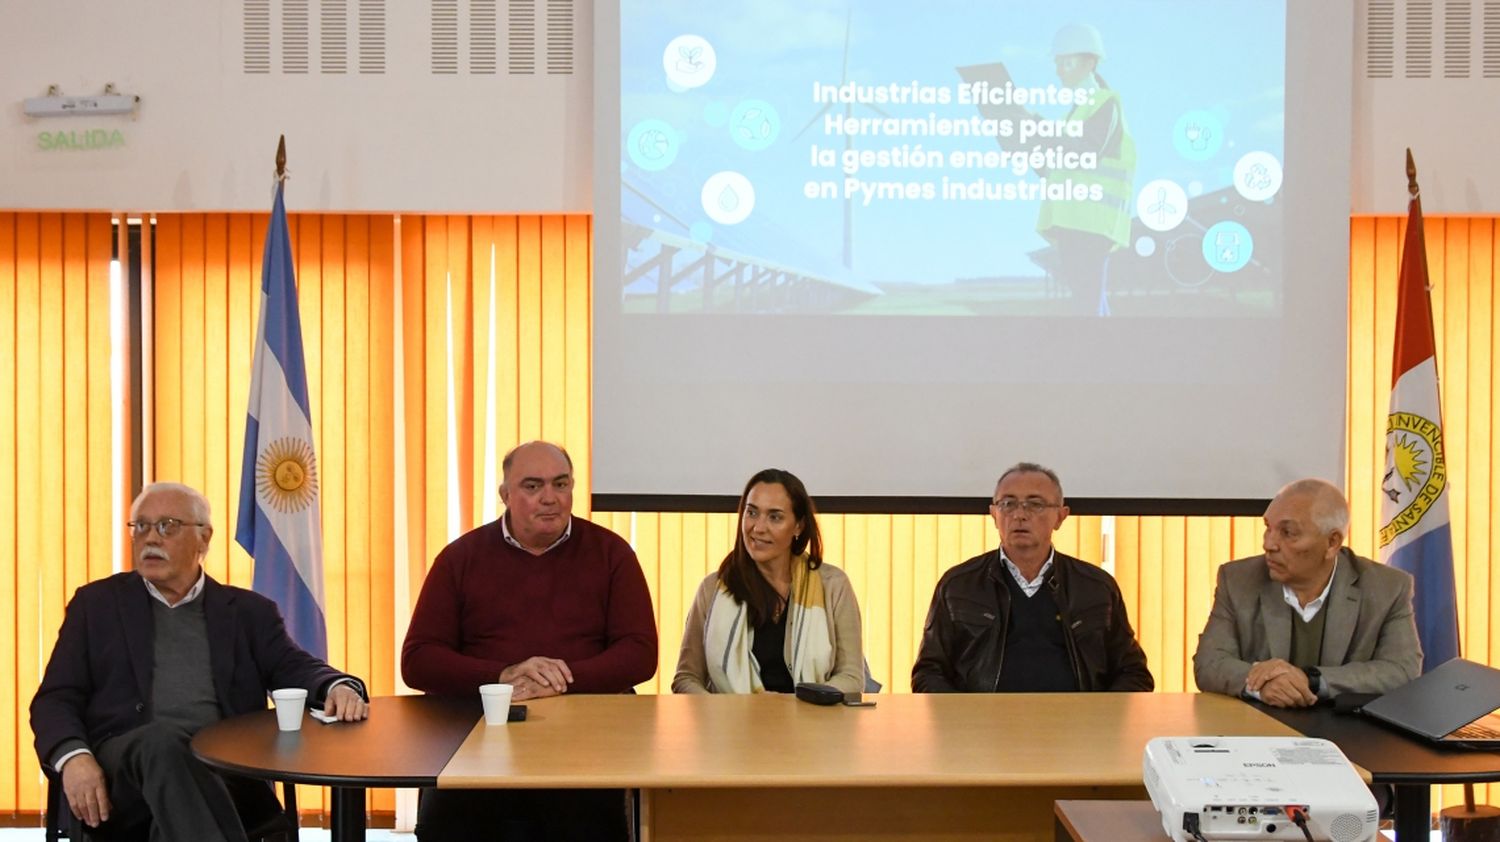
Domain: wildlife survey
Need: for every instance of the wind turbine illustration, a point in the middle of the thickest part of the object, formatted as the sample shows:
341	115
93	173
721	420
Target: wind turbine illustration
848	139
1162	209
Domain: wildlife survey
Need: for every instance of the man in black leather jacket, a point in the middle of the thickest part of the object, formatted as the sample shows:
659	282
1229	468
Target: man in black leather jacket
1026	618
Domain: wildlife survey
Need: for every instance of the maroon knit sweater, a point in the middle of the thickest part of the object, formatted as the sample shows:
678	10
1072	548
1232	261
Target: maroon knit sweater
487	605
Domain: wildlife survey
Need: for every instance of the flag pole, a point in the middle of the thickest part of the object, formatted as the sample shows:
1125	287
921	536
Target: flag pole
281	160
1411	188
279	513
1469	814
1411	169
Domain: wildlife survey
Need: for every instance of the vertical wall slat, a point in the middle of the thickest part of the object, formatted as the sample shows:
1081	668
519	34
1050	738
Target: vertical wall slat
51	509
380	528
1493	469
552	273
73	414
1477	432
507	325
192	417
166	343
334	442
30	633
463	320
242	287
217	412
1366	427
12	585
577	427
481	379
358	445
663	578
433	493
415	348
529	326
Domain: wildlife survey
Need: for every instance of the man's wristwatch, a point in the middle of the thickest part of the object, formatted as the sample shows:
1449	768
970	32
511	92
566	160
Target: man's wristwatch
1314	678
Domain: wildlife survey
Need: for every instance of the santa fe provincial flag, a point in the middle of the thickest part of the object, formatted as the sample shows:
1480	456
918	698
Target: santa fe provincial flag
279	515
1414	506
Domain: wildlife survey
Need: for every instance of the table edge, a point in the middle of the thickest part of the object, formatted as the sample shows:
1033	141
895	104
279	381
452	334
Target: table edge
341	781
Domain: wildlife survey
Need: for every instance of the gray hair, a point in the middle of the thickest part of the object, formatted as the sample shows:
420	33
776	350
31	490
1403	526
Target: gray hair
199	504
1032	468
1330	511
510	457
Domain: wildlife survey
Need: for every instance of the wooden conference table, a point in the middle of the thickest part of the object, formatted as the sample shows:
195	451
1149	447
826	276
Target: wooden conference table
934	767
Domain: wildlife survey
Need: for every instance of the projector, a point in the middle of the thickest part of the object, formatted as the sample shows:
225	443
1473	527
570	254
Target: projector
1211	788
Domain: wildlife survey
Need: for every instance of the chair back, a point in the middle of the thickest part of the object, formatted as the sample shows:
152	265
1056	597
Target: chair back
59	822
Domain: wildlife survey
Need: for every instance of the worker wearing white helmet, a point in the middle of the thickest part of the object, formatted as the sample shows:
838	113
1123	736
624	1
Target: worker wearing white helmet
1085	232
1078	39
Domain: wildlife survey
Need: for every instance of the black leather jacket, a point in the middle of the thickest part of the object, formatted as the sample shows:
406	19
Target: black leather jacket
963	643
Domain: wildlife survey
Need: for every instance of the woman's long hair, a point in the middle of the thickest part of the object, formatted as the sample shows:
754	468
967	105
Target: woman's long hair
738	572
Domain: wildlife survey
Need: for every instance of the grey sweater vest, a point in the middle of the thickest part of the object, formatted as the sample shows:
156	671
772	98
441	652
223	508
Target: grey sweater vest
182	682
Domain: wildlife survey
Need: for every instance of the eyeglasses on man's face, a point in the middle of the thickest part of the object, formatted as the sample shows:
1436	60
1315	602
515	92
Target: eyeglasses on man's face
1031	505
166	527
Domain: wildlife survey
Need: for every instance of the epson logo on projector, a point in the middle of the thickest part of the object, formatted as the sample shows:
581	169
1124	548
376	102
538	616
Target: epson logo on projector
1260	765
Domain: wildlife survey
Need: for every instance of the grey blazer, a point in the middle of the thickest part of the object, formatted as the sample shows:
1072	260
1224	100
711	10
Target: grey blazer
1369	641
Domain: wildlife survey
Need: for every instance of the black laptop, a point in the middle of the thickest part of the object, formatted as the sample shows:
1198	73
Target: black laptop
1454	704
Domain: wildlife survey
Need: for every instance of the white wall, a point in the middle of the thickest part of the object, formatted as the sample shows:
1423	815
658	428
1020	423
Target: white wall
411	140
1427	76
205	135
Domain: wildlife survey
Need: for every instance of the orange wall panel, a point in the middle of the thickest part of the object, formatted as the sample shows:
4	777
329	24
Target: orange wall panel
515	290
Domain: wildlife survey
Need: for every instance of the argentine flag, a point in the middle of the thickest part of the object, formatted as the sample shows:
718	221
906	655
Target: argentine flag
1414	505
279	515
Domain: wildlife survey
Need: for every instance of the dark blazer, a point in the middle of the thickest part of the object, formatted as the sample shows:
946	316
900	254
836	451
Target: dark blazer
98	681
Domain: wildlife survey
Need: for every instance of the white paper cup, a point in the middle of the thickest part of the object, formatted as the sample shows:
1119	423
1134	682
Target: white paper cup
496	703
289	704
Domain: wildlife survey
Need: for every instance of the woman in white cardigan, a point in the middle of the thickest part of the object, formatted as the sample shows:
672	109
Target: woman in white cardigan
774	615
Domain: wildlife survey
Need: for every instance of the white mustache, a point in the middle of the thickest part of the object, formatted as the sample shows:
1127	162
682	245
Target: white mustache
155	552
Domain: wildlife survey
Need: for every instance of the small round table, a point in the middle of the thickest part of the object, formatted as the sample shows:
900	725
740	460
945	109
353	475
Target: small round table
1409	764
406	742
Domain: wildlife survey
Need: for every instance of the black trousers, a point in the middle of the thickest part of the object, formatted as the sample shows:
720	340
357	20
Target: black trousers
522	815
153	777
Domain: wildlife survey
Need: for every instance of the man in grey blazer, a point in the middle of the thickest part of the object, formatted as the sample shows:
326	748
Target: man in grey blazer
1308	619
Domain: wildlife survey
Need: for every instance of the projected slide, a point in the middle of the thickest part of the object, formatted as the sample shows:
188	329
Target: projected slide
895	247
1080	160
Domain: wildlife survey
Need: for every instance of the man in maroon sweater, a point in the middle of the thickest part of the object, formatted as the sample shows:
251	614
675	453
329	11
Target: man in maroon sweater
544	601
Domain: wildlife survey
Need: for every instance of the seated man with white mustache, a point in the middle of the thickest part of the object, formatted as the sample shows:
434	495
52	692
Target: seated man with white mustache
145	659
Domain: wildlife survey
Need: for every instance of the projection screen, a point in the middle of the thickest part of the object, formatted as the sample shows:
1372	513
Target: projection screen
895	248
